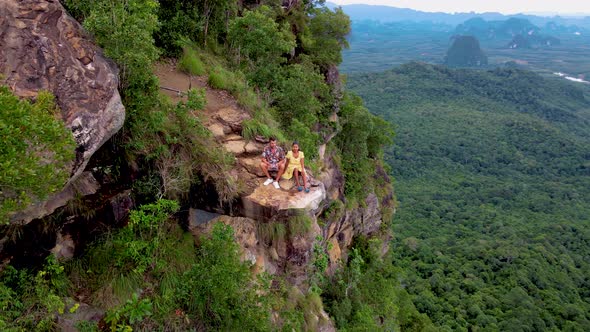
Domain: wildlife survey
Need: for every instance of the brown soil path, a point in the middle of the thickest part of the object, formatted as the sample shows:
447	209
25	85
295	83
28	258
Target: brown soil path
172	78
222	116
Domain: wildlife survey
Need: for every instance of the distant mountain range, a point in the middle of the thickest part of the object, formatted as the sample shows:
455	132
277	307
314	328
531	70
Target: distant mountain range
522	32
383	37
394	14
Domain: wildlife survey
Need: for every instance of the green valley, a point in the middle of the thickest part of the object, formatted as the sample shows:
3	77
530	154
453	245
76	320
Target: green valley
492	174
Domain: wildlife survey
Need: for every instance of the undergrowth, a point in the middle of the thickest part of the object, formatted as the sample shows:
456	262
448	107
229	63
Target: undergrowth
174	139
31	300
36	153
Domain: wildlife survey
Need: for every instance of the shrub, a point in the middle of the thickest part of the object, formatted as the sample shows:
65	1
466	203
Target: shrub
133	311
308	140
262	124
31	301
247	98
181	148
253	127
218	290
115	266
143	234
334	211
86	326
35	154
360	141
319	264
301	94
124	29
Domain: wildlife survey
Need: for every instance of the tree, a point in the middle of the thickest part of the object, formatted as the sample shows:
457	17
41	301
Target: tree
328	31
357	126
125	30
256	37
298	94
217	13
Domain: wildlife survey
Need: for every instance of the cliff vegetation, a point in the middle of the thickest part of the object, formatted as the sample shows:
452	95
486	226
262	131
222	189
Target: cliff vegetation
35	152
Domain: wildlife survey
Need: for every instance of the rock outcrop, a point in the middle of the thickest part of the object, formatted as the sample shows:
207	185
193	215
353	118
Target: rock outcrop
532	41
465	52
43	48
83	185
267	203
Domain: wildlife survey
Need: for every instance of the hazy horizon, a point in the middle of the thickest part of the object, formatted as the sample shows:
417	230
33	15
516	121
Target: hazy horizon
564	7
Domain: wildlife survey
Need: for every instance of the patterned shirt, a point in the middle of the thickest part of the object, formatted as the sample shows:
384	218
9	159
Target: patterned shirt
273	157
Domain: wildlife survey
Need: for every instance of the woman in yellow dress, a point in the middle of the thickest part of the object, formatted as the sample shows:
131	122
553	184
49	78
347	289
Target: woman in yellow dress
295	165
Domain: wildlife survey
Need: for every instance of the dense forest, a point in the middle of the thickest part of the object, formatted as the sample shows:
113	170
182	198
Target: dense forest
493	182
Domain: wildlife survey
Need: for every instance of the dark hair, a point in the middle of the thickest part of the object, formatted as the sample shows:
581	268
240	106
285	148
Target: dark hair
295	142
272	139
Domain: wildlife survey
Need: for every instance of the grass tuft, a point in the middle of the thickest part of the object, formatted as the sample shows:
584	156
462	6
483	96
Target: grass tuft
299	225
271	232
219	78
190	62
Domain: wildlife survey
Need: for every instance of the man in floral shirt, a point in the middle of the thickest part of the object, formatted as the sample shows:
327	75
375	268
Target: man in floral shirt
273	159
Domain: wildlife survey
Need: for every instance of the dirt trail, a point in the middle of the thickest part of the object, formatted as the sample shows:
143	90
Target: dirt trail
172	78
222	116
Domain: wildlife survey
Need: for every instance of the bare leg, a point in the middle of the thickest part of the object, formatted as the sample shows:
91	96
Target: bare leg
296	173
265	170
304	176
281	170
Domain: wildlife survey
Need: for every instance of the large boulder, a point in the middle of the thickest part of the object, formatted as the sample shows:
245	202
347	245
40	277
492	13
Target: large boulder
43	48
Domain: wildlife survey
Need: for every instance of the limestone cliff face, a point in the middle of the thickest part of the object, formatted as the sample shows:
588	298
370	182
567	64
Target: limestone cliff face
42	48
331	225
260	207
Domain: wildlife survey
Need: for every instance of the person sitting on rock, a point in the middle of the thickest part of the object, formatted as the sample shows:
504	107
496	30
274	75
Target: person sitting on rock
273	159
295	165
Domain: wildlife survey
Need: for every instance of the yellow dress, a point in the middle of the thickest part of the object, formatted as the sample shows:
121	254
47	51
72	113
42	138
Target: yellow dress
294	164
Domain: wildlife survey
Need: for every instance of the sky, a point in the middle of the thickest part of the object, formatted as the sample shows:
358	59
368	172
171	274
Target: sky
479	6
